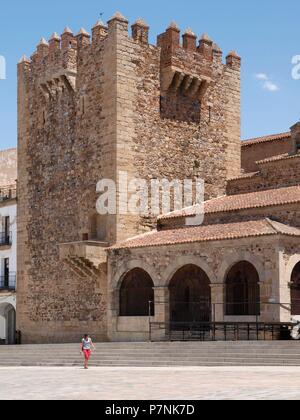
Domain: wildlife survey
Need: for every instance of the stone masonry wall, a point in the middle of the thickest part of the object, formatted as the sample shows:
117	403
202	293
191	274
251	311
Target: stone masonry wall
267	177
169	144
288	214
57	198
263	150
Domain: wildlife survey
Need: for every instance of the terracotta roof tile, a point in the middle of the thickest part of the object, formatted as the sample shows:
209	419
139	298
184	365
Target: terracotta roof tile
278	158
257	228
247	175
258	199
264	139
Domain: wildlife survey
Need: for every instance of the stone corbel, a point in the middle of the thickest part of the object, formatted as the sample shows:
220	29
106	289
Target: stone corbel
194	87
187	81
45	91
203	87
51	88
175	80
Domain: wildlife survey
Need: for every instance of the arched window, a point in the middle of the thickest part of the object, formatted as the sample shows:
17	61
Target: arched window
242	290
137	294
295	290
190	295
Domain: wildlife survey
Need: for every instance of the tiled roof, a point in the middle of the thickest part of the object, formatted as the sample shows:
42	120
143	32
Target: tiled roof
265	139
258	199
247	175
218	232
278	158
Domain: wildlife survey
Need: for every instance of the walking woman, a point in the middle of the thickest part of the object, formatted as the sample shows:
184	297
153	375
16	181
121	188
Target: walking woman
86	348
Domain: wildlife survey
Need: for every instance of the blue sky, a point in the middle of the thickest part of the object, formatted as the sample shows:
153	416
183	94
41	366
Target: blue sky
265	33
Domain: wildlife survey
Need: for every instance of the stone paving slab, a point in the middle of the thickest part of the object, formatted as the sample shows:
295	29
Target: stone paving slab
246	383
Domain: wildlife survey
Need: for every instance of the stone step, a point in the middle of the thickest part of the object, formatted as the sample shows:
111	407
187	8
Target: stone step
158	364
157	346
120	356
152	360
157	354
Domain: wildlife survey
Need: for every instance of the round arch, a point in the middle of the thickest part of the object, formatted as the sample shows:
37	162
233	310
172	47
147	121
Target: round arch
234	258
7	323
295	290
190	295
184	261
293	261
136	294
118	277
242	290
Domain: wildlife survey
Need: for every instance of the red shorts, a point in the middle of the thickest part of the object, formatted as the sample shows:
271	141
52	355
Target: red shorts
87	354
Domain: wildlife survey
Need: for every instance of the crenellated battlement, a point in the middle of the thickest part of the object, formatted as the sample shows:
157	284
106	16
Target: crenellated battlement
186	66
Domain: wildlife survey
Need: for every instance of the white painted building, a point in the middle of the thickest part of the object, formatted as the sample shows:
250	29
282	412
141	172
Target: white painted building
8	264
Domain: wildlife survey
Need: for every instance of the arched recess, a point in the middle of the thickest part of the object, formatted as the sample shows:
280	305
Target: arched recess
137	294
7	323
190	295
295	290
242	290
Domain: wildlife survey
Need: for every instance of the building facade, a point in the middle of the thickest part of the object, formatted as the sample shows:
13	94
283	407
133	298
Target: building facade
93	109
8	264
8	167
88	110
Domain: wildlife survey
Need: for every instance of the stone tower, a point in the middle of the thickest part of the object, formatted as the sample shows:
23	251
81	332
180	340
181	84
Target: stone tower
88	109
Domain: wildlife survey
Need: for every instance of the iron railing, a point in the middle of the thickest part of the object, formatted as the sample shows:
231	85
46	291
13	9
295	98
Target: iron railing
8	192
241	321
8	282
222	331
5	238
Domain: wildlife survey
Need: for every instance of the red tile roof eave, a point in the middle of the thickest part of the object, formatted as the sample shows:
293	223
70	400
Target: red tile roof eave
279	158
231	210
266	139
215	239
246	176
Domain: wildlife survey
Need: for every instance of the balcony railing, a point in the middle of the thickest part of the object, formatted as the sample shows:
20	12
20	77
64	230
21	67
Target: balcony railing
8	193
8	282
5	238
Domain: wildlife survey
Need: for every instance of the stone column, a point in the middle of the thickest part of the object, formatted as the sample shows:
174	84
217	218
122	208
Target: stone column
270	289
217	300
112	313
161	326
284	290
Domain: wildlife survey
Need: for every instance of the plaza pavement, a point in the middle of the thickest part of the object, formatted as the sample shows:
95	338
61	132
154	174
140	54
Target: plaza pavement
246	383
